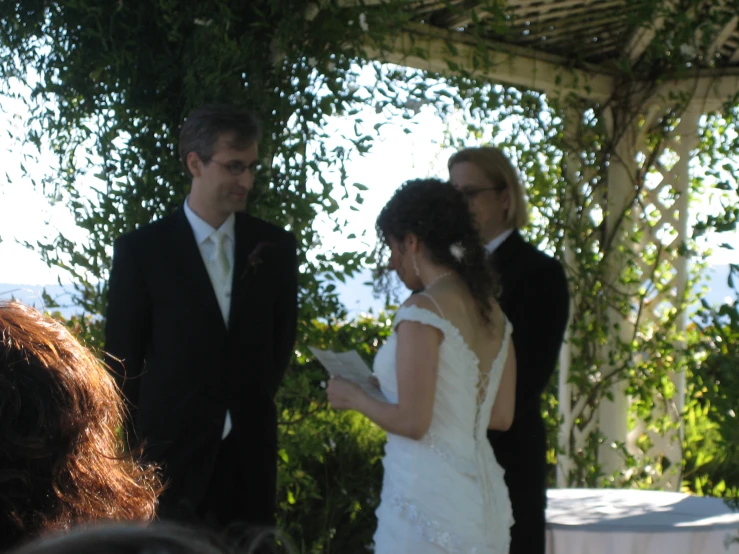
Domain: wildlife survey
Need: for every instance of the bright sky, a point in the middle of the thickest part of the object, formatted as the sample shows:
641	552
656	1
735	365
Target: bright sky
26	215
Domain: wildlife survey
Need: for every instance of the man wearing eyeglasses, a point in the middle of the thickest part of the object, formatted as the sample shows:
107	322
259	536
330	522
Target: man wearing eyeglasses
200	327
535	298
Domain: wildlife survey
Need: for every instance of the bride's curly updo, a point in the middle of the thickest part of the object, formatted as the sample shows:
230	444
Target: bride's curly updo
438	214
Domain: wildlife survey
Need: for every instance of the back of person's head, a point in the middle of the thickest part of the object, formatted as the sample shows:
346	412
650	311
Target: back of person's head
206	125
439	216
500	172
158	538
61	459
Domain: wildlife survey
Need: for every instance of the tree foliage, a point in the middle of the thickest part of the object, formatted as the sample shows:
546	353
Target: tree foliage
114	81
712	432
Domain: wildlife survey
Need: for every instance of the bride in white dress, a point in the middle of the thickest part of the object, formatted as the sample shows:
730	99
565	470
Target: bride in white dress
448	371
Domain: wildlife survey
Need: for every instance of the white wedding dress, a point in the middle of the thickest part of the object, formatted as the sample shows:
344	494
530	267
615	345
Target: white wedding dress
445	493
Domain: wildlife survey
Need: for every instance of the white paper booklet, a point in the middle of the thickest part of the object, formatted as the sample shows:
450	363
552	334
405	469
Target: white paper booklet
351	367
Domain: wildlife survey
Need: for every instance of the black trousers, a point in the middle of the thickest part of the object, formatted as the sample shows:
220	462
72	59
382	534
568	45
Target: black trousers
234	496
241	490
529	502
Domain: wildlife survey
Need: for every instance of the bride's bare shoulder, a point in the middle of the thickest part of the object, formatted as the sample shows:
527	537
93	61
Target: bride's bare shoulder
422	300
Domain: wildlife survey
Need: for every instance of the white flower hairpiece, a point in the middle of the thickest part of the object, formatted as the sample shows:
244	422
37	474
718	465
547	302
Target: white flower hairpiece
457	251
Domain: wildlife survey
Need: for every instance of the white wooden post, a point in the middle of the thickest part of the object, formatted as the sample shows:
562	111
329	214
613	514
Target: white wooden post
613	414
573	117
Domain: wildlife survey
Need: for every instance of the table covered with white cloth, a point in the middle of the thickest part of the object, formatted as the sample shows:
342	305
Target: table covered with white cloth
624	521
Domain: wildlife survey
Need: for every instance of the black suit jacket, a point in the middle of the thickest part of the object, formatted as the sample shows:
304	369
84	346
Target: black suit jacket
181	368
535	298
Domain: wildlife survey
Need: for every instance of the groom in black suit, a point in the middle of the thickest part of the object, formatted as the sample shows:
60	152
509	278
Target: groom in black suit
200	327
535	298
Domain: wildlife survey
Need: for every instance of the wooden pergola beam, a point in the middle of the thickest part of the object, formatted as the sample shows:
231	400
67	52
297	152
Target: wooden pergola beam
545	13
431	49
370	3
448	52
640	41
723	36
708	93
580	28
358	3
644	35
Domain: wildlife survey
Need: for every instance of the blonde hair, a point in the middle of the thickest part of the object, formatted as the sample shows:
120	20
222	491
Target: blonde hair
500	171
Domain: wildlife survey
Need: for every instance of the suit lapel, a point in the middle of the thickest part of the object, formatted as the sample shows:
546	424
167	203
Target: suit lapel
246	242
195	274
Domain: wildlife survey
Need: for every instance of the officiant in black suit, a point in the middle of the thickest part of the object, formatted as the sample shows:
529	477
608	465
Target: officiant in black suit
200	327
535	298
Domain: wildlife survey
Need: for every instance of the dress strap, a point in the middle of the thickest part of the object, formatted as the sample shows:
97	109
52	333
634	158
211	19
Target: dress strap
427	295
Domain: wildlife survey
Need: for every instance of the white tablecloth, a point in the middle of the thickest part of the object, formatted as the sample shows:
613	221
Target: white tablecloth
614	521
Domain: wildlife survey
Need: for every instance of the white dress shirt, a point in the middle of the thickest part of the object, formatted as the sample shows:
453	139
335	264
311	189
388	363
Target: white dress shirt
206	238
493	245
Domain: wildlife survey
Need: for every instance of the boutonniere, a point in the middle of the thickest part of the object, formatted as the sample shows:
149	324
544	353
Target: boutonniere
255	258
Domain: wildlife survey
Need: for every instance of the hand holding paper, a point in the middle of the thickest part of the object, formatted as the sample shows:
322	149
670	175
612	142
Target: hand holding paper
350	366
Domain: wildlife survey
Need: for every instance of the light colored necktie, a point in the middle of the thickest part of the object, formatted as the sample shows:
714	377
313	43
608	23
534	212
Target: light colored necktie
220	258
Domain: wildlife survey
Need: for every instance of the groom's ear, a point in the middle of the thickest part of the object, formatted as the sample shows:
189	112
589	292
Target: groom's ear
194	164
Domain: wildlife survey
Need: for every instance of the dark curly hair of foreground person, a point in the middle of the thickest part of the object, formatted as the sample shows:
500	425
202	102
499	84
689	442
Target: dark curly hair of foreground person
61	459
439	216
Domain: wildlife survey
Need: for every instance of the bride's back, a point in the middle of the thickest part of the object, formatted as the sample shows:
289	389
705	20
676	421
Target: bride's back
454	301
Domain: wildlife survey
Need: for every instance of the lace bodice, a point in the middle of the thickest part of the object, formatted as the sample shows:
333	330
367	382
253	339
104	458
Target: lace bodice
469	511
460	379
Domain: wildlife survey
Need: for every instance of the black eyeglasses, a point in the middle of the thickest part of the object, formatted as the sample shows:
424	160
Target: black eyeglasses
471	193
237	168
